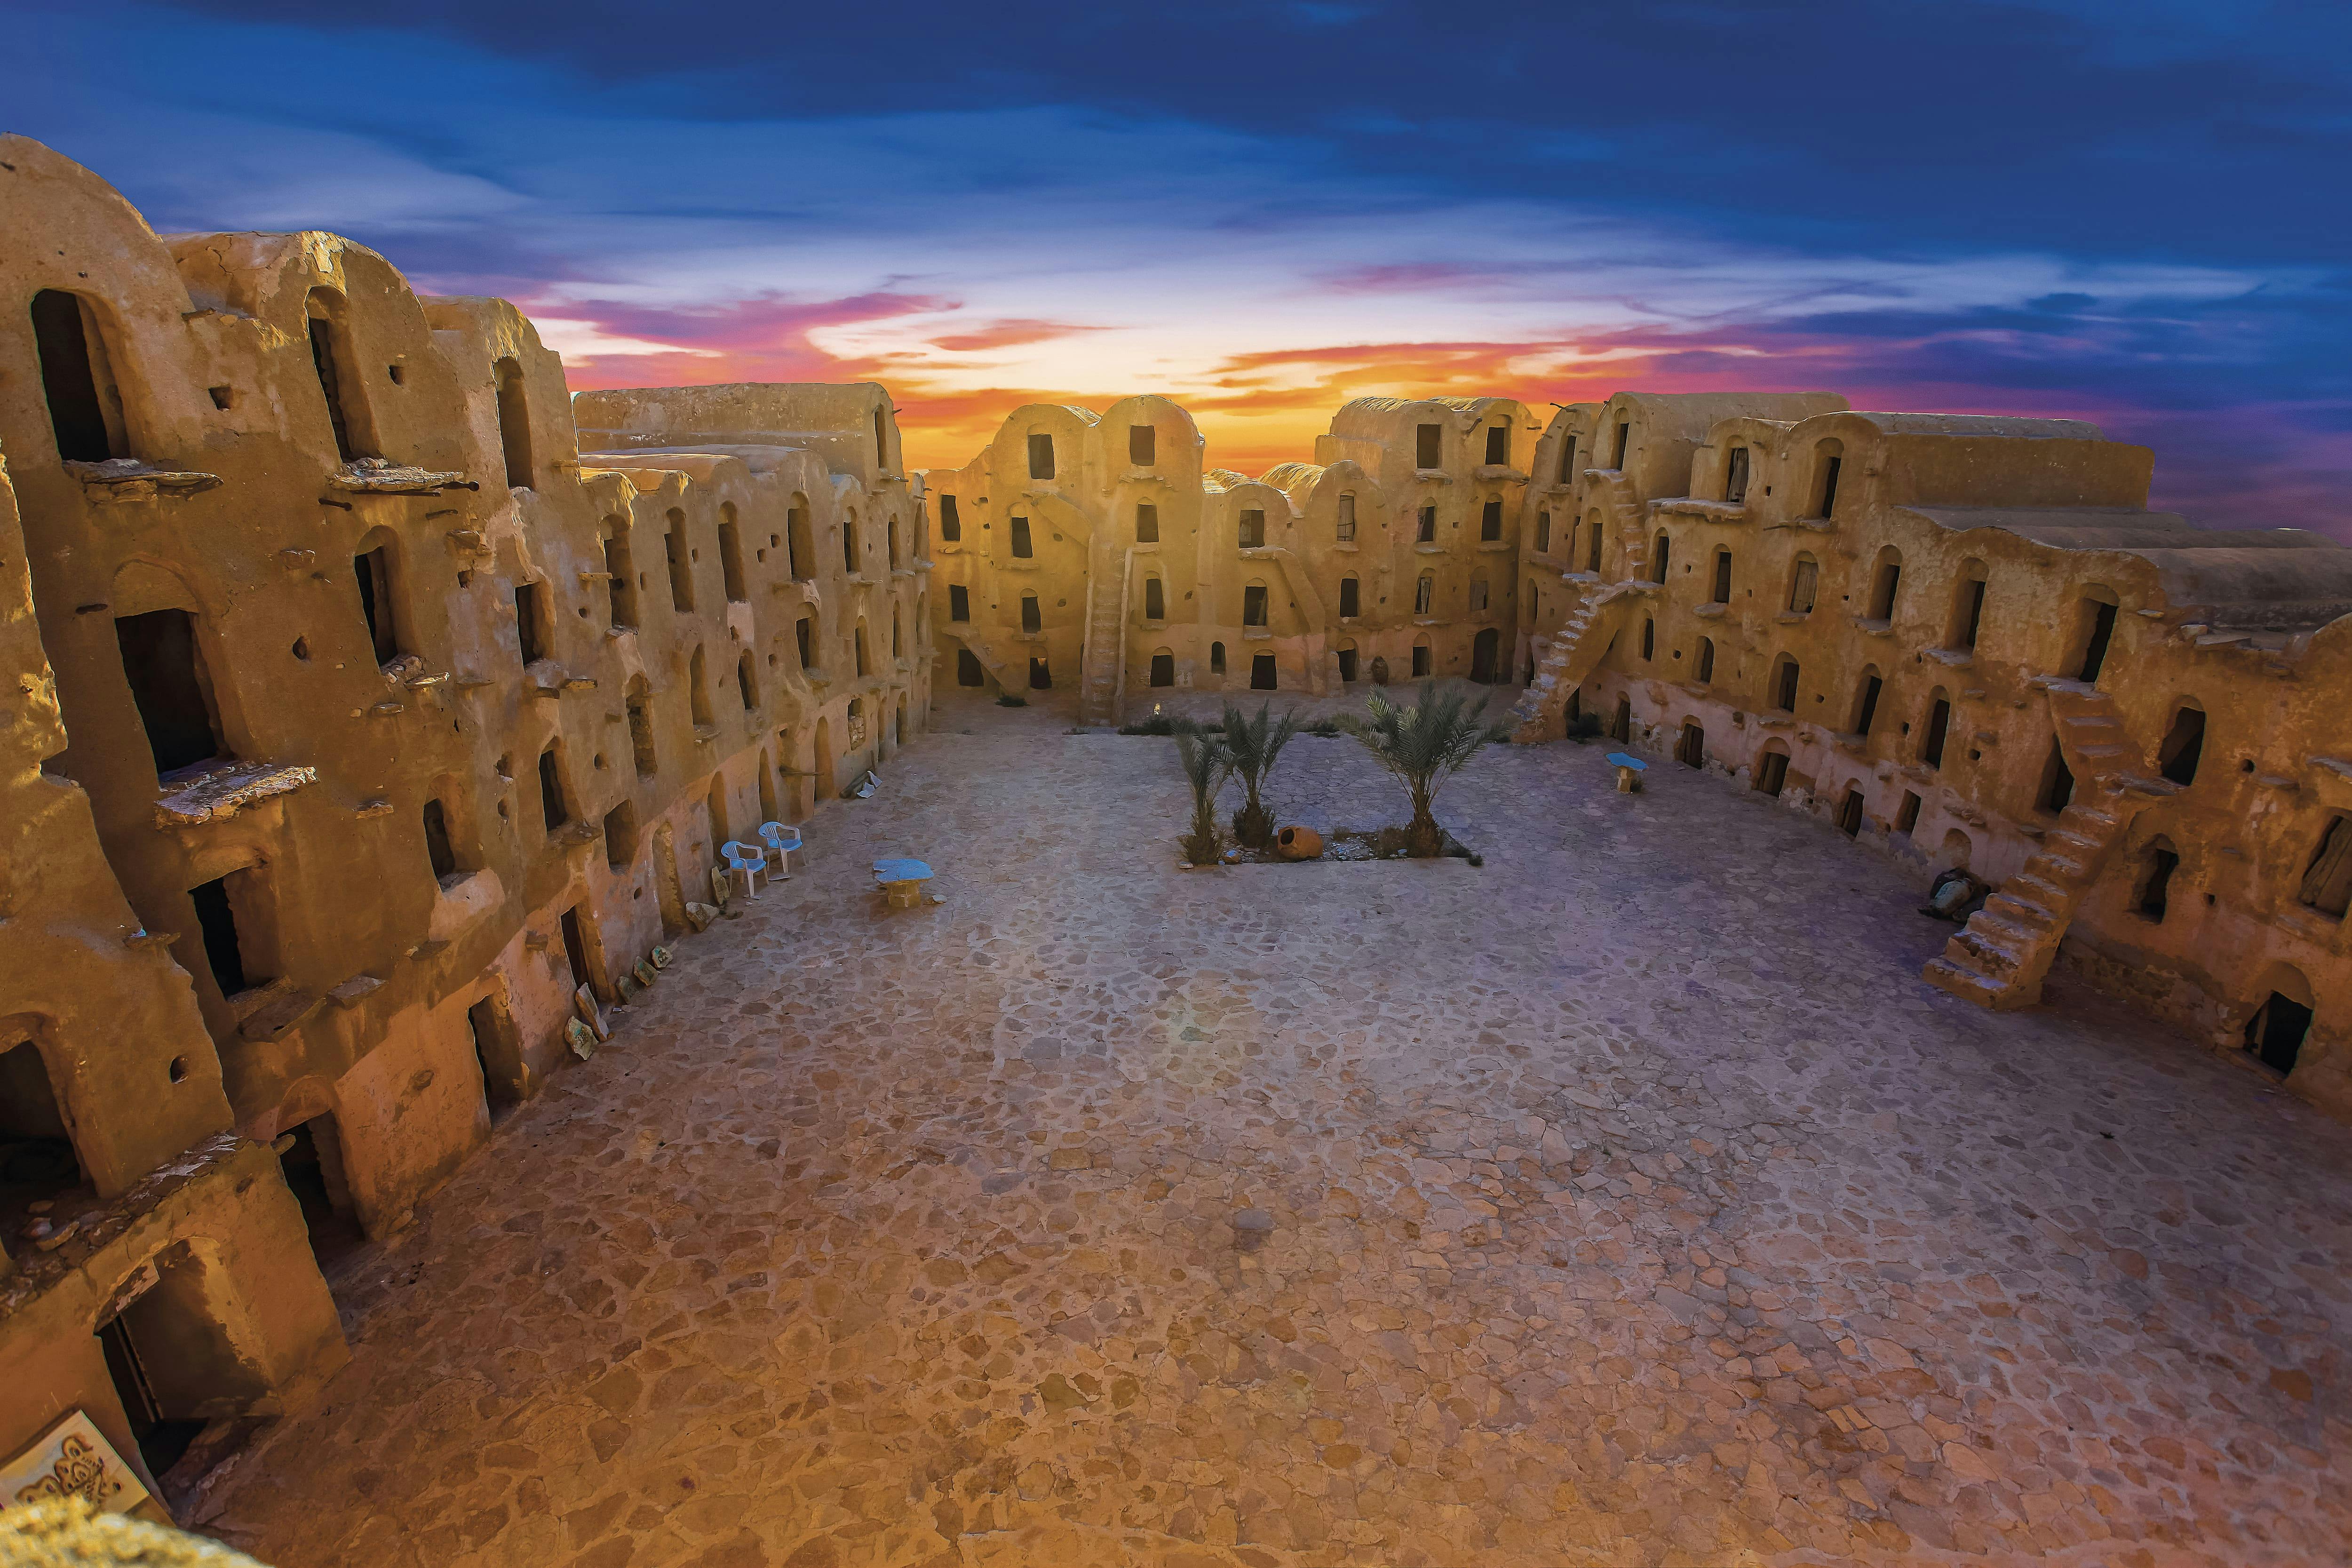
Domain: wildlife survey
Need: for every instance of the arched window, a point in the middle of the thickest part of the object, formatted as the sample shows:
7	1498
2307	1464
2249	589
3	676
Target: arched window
639	702
1147	524
77	379
1421	658
1040	456
1426	526
377	572
1660	555
731	556
698	688
1829	456
1543	534
339	376
1216	658
533	631
1865	700
514	423
1253	605
2057	789
1163	667
1722	588
1252	527
1933	734
805	640
2095	626
1346	529
1706	659
1968	606
1023	549
1735	475
1031	619
441	854
2327	879
747	681
621	570
1490	522
1478	592
1886	581
864	668
680	556
849	543
554	807
1592	541
2161	861
1784	684
1425	594
2184	745
1649	637
162	660
959	601
894	545
1155	600
950	521
881	442
1350	598
1804	584
1142	446
800	539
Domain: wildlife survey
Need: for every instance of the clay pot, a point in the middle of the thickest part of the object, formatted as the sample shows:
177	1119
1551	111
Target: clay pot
1299	844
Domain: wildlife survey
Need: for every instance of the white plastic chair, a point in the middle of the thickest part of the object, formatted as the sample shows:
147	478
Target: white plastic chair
781	842
746	862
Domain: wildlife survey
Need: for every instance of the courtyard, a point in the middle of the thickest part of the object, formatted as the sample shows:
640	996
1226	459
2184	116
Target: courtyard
1626	1200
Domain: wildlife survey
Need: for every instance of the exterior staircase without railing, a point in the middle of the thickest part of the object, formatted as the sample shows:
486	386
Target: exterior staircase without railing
1102	667
1564	661
2000	959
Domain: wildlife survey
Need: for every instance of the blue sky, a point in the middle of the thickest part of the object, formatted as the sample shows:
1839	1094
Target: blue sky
2136	212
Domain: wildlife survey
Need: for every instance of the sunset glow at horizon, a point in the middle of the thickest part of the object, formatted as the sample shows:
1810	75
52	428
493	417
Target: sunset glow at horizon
1974	209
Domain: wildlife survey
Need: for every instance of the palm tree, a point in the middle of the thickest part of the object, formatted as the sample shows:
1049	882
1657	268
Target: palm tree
1253	745
1206	767
1425	746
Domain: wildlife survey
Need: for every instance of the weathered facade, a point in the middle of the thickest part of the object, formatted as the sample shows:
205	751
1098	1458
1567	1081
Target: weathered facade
356	721
1967	639
1097	552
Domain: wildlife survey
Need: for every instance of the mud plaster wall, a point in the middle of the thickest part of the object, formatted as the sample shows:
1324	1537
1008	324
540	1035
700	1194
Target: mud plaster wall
2051	518
235	504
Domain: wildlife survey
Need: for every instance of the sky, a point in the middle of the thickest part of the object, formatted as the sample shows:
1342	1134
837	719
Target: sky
2137	214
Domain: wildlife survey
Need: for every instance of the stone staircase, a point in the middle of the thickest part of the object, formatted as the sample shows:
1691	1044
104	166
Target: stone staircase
2000	959
1102	668
1627	515
1563	662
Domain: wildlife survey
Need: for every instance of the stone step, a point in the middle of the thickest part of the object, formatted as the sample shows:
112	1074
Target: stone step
1966	984
2031	916
2038	889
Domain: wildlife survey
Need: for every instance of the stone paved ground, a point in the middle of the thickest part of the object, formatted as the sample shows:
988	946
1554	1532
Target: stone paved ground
1632	1202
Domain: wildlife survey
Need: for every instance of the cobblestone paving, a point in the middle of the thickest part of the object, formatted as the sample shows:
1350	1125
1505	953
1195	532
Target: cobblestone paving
1627	1201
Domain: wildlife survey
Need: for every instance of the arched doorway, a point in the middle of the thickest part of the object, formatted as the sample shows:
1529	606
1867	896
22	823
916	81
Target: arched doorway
1485	655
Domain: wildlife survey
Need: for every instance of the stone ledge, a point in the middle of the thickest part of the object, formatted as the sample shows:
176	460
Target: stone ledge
224	791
